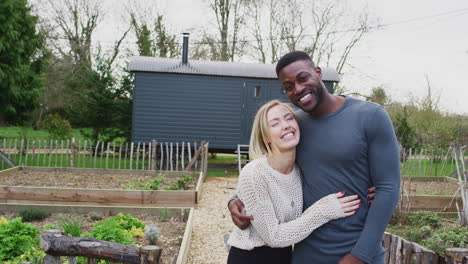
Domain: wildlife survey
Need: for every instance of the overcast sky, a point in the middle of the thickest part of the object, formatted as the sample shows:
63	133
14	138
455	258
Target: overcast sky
422	38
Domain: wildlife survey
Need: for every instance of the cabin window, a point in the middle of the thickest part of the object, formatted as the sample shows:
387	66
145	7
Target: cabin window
257	91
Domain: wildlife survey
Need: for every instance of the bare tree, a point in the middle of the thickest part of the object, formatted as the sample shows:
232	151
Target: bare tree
75	22
229	15
334	33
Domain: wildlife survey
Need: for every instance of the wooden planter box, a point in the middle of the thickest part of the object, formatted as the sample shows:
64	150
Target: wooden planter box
80	197
437	203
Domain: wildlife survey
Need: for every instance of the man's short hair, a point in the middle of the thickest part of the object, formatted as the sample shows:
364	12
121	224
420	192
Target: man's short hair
291	57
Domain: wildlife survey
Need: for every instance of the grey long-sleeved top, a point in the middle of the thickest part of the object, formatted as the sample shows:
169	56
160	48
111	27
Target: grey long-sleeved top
349	150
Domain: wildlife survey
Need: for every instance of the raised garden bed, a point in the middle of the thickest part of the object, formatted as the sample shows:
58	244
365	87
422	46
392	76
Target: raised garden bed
431	194
174	238
90	187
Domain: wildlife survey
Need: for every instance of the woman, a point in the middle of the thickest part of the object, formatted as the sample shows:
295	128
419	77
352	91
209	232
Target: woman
270	188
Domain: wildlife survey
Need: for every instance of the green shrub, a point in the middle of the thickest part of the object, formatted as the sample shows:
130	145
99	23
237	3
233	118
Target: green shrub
70	226
181	183
109	231
57	127
117	229
424	218
154	184
32	214
126	221
16	238
452	237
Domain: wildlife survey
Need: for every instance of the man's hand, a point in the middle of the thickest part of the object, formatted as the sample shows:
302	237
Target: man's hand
240	220
350	259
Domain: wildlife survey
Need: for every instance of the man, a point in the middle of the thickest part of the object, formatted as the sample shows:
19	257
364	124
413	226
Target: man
346	144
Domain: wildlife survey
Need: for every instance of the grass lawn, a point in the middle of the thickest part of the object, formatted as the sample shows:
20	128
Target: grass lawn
221	173
29	133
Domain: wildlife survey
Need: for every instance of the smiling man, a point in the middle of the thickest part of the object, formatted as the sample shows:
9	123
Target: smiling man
346	144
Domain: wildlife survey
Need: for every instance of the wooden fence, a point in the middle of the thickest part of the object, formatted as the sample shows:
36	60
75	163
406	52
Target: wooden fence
430	162
55	245
401	251
72	153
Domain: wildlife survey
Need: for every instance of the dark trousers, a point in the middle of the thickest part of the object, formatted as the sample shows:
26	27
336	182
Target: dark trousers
260	255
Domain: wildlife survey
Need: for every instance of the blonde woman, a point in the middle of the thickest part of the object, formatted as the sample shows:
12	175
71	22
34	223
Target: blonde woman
271	190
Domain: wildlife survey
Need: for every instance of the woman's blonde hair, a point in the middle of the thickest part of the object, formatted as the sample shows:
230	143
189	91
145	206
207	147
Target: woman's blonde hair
259	142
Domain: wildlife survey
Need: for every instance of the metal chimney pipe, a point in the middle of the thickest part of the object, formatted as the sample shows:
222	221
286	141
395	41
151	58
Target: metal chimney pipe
185	48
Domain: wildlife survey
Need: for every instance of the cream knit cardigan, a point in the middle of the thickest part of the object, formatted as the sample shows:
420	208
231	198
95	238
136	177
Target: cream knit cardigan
275	201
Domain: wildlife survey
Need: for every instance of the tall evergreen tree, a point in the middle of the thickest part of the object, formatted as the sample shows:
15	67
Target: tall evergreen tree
20	62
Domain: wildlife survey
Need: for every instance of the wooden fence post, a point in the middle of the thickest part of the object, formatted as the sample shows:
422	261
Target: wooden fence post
150	255
154	145
72	157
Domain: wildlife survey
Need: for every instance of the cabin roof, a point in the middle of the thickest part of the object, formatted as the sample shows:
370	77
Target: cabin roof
213	68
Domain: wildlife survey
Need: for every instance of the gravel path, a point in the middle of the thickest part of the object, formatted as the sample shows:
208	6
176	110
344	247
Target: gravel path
212	221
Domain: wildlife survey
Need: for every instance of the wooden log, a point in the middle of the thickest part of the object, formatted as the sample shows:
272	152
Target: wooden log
107	155
154	145
26	155
171	155
407	251
162	156
137	156
50	152
429	256
3	150
78	158
59	245
150	152
102	155
189	152
167	156
120	154
393	248
71	260
126	152
61	155
33	152
72	154
21	152
85	149
194	159
95	153
150	255
68	154
177	156
418	254
456	255
131	155
183	158
143	157
49	259
113	155
44	154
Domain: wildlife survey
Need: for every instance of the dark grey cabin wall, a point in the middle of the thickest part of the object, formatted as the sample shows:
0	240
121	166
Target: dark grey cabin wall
180	107
176	107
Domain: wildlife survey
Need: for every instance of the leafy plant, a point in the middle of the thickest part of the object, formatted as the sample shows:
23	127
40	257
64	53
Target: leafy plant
109	231
57	127
127	221
155	183
452	237
70	226
117	229
137	231
152	233
181	183
424	218
16	238
32	214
